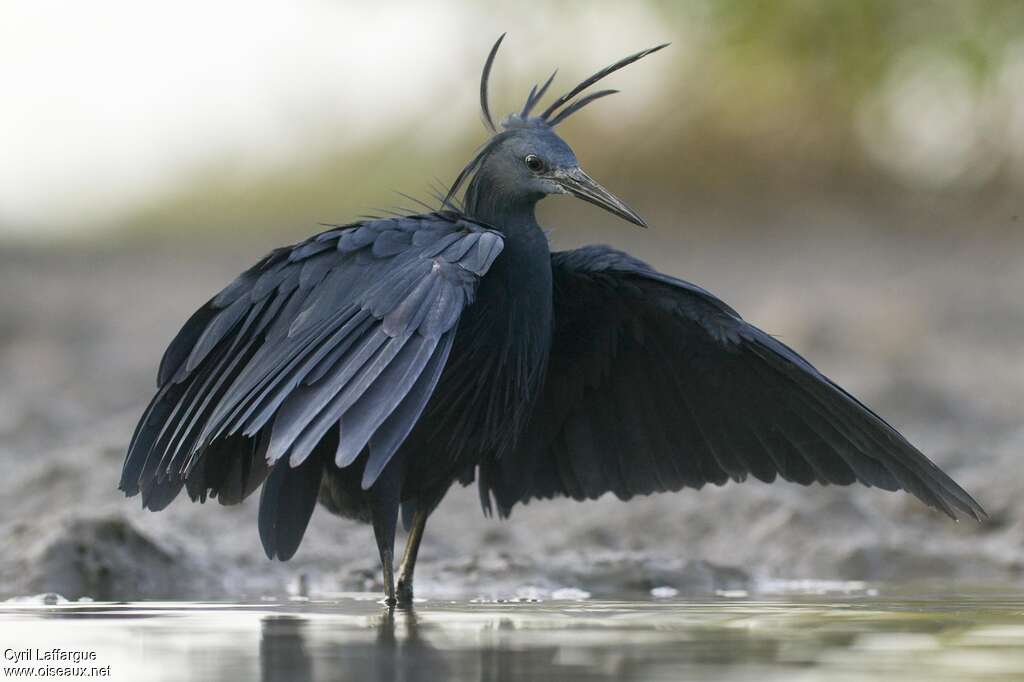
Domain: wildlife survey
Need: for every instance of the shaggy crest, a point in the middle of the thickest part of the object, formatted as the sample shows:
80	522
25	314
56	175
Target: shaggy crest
551	116
562	108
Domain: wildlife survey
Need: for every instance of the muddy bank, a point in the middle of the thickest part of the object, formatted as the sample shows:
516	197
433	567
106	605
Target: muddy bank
924	329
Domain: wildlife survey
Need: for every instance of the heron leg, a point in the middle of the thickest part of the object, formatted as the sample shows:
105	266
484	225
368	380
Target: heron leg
384	531
412	548
385	520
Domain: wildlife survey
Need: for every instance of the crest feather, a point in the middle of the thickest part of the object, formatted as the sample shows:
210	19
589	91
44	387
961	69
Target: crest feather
551	116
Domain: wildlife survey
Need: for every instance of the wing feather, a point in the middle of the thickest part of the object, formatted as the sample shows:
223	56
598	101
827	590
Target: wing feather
654	384
351	327
376	400
287	502
397	425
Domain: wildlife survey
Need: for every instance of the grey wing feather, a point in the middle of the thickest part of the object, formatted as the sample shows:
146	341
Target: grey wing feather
396	426
351	327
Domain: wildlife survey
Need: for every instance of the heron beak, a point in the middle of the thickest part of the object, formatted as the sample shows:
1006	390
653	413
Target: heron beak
582	186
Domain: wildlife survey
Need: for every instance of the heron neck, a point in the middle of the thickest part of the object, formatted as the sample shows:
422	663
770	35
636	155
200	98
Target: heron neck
511	214
514	324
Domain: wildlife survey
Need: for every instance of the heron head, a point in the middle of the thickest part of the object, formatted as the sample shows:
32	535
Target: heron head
526	159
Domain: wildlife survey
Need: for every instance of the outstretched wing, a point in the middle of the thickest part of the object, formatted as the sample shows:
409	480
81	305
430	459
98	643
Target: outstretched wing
344	334
655	385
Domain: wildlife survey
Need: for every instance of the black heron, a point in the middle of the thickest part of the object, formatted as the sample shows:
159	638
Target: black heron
371	366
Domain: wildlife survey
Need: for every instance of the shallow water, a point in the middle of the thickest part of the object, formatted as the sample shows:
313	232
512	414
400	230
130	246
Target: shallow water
352	637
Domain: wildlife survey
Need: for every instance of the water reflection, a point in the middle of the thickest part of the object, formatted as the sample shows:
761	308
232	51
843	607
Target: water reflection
349	639
295	648
283	652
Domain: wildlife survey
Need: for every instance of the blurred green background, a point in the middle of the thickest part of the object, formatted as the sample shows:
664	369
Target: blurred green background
126	119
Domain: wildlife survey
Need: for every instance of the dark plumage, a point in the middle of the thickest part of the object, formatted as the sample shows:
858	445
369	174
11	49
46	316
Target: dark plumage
371	366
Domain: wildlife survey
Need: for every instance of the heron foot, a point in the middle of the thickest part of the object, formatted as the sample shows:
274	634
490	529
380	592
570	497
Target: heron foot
404	592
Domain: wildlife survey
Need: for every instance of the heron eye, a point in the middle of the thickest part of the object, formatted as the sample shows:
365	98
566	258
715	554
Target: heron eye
534	163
